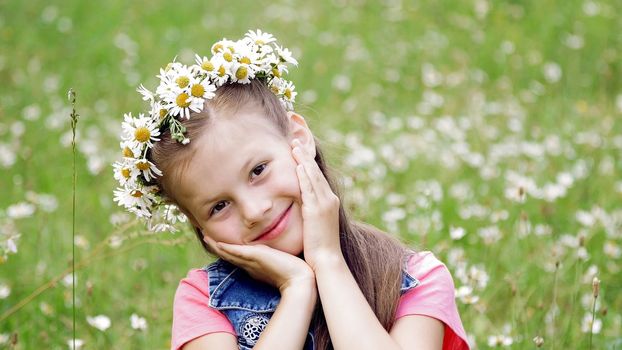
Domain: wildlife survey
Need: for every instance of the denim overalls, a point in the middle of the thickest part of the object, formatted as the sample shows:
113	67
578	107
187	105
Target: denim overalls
249	304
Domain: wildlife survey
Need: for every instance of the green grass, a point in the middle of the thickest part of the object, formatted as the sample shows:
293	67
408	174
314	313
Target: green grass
383	56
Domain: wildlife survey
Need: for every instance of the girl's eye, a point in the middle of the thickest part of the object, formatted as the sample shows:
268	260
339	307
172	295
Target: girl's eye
258	169
216	208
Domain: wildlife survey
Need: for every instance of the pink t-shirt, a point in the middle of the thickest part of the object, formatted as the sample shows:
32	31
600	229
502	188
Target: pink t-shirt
434	297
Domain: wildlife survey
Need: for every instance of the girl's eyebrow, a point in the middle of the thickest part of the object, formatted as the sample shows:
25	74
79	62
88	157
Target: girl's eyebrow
214	198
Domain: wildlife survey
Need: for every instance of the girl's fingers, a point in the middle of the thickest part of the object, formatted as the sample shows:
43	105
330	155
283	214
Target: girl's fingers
236	250
318	182
230	252
306	189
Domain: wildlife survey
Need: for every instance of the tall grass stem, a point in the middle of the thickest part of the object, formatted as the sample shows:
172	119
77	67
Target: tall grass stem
71	95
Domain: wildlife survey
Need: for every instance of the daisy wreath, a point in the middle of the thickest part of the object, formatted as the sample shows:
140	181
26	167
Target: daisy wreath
182	90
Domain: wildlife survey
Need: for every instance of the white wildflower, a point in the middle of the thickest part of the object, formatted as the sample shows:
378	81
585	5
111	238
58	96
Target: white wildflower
552	72
101	322
5	291
20	210
75	344
456	233
138	322
68	280
588	326
500	340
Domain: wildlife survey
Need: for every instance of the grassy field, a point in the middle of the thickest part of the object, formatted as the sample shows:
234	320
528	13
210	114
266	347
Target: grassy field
487	132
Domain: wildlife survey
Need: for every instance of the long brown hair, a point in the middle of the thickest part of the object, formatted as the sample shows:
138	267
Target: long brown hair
374	258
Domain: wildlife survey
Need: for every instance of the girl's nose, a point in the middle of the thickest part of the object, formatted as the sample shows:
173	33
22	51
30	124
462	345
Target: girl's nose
255	210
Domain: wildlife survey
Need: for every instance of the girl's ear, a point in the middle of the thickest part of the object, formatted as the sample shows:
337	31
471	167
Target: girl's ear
298	130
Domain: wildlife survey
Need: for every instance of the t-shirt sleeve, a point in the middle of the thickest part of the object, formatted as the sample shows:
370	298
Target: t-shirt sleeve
192	315
434	297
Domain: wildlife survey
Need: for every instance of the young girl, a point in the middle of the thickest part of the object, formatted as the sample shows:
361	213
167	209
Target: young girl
223	145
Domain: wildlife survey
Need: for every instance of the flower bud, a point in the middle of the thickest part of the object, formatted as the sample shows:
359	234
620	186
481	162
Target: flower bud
595	287
539	341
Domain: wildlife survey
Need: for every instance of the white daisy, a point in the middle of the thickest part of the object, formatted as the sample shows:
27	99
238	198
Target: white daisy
223	45
247	55
173	214
202	89
181	103
205	65
147	169
242	73
288	93
264	63
286	55
278	69
147	95
223	71
136	199
127	151
158	111
175	76
140	131
259	37
125	172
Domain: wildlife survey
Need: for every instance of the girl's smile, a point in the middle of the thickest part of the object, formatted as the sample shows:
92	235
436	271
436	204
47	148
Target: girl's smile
277	227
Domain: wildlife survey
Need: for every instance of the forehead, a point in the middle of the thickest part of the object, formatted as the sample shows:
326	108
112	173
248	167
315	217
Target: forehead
222	150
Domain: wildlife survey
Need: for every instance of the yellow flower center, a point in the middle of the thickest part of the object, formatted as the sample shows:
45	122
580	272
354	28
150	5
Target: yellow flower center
182	100
142	165
208	66
127	152
163	113
142	134
197	90
276	72
216	48
136	193
245	60
274	89
259	42
241	73
227	56
182	81
288	94
221	71
125	172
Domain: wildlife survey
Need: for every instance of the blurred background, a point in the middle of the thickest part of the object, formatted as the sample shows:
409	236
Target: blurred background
487	132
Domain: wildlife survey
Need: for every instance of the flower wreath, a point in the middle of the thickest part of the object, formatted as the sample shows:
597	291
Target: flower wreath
182	90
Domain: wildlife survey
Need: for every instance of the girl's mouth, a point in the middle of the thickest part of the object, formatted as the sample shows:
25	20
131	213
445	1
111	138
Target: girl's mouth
278	227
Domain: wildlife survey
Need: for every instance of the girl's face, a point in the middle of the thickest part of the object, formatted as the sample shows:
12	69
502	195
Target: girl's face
242	180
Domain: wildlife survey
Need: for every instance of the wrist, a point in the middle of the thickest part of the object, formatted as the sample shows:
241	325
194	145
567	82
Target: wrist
303	290
328	261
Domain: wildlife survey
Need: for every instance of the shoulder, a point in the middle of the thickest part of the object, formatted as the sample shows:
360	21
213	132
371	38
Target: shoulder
433	297
195	283
436	286
429	270
192	315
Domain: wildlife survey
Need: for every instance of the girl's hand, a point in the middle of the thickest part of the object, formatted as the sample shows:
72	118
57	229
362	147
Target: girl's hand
266	264
320	210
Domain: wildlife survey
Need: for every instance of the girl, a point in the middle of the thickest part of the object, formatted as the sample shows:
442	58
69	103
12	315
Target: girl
294	271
